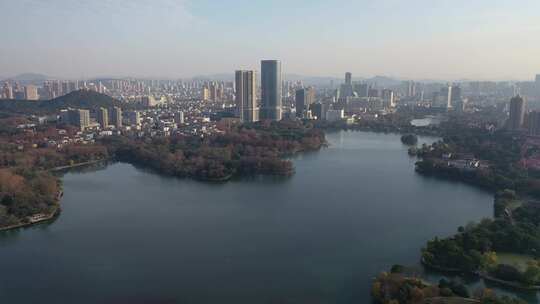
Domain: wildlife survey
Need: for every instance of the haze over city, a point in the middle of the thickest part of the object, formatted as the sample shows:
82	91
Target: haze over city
257	151
443	40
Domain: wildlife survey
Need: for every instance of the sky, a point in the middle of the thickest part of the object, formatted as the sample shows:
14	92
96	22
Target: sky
413	39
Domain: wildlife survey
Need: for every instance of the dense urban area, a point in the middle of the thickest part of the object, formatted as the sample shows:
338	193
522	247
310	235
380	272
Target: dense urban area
250	123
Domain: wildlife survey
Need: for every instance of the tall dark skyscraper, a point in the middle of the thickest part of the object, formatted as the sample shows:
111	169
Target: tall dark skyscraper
517	113
457	100
304	99
348	78
534	123
271	90
537	85
346	89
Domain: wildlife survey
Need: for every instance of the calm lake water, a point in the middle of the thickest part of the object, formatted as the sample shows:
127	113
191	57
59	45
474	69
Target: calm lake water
129	236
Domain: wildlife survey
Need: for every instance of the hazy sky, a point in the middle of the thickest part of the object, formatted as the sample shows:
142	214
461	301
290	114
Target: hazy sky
436	39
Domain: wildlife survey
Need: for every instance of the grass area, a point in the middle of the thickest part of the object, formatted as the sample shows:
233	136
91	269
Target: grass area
515	204
517	260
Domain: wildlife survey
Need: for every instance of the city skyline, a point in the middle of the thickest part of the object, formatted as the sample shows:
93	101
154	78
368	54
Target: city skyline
106	38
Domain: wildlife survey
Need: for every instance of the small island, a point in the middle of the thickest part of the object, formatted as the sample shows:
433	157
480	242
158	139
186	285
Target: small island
409	139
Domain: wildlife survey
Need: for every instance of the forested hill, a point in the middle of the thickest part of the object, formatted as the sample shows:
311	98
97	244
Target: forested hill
79	99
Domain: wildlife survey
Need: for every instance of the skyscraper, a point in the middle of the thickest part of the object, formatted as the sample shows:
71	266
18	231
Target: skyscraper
388	98
103	118
246	96
456	94
409	88
84	119
30	92
362	89
534	123
446	94
346	89
134	118
348	78
304	98
537	85
205	93
116	116
179	118
271	90
517	113
77	117
7	91
318	110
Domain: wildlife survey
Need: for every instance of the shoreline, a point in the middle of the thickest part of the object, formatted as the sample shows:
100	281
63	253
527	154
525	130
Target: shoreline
62	168
507	284
52	215
481	275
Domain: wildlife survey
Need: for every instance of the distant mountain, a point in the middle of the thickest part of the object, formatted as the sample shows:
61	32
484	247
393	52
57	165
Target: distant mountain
29	78
381	81
312	80
384	81
83	99
216	77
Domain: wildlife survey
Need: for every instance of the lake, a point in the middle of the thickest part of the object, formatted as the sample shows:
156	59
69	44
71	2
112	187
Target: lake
130	236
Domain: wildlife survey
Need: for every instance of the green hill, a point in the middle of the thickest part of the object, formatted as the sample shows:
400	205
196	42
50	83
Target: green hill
83	99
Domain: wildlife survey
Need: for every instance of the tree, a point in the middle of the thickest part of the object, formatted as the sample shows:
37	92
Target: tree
531	274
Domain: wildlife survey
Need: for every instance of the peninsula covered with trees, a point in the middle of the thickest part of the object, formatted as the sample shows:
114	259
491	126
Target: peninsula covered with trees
250	149
400	287
29	191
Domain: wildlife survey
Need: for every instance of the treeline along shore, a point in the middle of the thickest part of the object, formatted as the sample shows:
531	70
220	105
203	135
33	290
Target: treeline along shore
249	149
505	249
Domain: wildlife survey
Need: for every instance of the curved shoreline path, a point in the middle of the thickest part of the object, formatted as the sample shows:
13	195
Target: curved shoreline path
129	236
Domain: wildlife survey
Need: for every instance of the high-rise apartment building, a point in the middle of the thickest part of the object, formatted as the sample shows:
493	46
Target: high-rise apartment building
179	118
76	117
318	110
388	98
57	89
534	123
362	89
83	120
409	89
517	113
205	93
271	90
7	91
537	85
304	98
103	117
116	117
30	92
134	118
443	98
246	96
